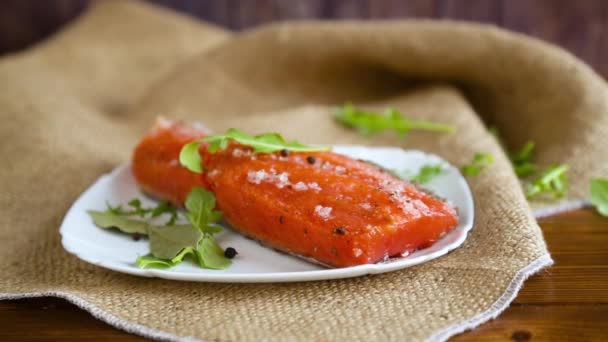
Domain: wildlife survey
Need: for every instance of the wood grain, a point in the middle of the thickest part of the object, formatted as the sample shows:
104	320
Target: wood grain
579	26
569	301
540	323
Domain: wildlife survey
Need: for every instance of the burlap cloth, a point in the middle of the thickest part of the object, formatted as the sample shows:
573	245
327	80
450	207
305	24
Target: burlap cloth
72	108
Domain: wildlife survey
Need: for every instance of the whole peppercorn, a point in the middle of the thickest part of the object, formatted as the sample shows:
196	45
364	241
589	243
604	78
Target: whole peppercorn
311	159
284	153
230	253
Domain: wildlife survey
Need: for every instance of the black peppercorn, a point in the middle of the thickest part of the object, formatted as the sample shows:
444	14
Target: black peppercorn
340	231
136	237
311	159
230	253
284	153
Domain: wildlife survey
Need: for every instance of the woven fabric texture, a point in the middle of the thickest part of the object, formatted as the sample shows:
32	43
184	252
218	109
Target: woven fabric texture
73	107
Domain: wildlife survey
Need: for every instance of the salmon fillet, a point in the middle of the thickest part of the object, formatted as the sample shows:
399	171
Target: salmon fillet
321	205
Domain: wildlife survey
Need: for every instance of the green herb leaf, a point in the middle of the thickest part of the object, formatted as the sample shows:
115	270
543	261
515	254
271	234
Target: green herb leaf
522	160
200	204
368	122
117	210
211	255
150	261
479	162
524	154
599	195
109	219
137	208
167	241
496	133
170	243
524	169
427	173
552	181
208	254
264	143
163	207
190	158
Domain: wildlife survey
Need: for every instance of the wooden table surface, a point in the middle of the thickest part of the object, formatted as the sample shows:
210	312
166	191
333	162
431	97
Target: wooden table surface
568	301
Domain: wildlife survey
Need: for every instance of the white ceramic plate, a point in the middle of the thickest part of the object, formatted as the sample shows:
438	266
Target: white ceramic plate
255	263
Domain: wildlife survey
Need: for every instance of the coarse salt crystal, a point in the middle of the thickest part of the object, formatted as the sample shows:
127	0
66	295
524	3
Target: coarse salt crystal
314	186
365	206
256	177
279	180
357	252
300	186
282	180
326	166
214	173
340	169
323	212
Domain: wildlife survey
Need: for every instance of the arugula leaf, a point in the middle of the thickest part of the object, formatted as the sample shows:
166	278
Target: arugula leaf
208	254
167	241
368	122
524	154
109	219
200	204
599	195
262	143
117	210
496	133
211	255
137	208
190	158
170	243
479	162
524	169
427	173
150	261
553	181
163	207
522	160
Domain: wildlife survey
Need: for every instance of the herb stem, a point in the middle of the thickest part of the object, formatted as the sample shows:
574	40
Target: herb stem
554	173
426	126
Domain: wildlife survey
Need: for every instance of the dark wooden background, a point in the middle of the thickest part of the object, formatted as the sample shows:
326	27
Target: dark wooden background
581	26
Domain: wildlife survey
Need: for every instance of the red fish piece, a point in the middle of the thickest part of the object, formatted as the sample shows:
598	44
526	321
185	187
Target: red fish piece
322	205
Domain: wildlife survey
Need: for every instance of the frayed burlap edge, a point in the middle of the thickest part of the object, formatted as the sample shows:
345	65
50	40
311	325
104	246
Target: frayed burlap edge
101	315
498	306
560	207
495	309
